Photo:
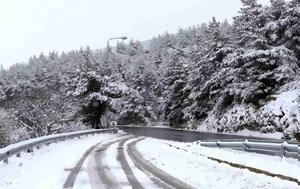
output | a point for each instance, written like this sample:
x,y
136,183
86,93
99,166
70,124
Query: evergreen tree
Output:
x,y
248,24
292,25
175,95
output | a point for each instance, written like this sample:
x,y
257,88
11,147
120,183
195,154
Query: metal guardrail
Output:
x,y
250,144
283,149
16,149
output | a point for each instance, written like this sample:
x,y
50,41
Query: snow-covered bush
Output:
x,y
3,137
10,131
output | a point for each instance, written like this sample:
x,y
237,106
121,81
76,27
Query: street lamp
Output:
x,y
103,118
108,48
113,38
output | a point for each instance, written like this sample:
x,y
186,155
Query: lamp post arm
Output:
x,y
113,38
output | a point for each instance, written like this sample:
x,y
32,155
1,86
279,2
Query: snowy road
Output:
x,y
124,161
117,172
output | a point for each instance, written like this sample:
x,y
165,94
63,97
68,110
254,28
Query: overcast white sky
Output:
x,y
29,27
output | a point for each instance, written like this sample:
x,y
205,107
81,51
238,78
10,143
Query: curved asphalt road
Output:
x,y
101,173
166,133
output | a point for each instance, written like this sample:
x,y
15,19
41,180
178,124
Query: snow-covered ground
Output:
x,y
201,172
117,172
274,164
47,167
50,166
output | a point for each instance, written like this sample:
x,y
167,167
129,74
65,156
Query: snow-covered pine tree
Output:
x,y
247,25
292,25
93,91
206,64
175,94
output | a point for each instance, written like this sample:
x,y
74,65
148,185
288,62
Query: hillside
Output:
x,y
217,77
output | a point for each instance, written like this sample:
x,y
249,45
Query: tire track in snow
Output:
x,y
135,184
107,179
69,183
158,176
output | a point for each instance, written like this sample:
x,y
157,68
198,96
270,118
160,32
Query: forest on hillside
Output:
x,y
217,77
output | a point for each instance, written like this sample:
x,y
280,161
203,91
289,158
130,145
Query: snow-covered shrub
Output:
x,y
285,111
5,127
73,126
18,134
10,131
235,119
296,134
3,137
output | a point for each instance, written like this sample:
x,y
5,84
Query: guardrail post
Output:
x,y
18,154
245,147
6,159
218,143
283,149
29,150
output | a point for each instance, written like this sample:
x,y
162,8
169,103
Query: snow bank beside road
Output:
x,y
274,164
204,173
